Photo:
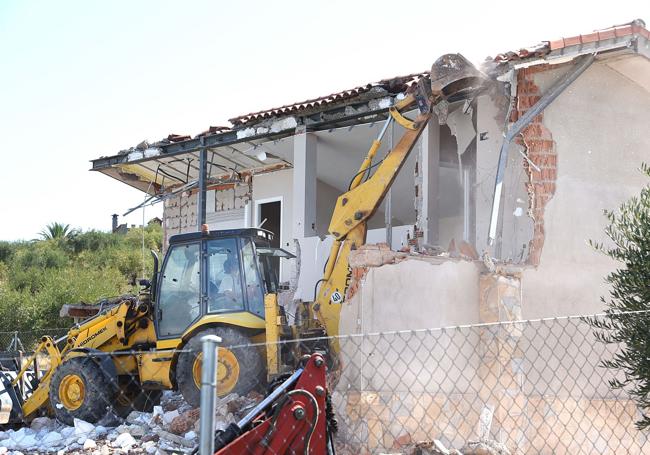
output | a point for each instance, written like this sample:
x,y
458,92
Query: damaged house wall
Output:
x,y
587,145
599,128
226,207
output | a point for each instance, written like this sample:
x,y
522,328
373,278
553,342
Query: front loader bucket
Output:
x,y
11,400
453,77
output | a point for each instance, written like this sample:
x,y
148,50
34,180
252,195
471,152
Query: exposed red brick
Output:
x,y
546,160
358,273
540,147
526,86
526,102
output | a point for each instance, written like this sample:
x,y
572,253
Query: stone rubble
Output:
x,y
436,447
172,427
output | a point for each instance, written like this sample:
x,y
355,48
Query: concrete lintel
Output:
x,y
304,184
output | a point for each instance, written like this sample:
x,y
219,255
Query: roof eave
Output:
x,y
636,43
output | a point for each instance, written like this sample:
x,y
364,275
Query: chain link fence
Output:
x,y
525,387
530,386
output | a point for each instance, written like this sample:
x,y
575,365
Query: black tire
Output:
x,y
251,365
98,397
132,397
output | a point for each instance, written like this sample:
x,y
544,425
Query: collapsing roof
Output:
x,y
172,163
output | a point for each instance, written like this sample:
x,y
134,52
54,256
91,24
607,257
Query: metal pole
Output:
x,y
389,204
208,393
203,170
547,98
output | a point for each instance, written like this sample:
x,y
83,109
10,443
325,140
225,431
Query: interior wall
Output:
x,y
275,185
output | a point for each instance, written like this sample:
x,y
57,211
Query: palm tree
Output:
x,y
57,231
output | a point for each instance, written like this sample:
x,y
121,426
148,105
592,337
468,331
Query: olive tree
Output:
x,y
626,323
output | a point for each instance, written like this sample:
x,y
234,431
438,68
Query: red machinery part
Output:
x,y
296,424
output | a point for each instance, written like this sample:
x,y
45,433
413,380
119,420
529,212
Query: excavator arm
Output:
x,y
353,208
452,77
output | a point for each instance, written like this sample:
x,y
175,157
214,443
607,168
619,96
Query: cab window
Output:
x,y
224,277
179,301
252,284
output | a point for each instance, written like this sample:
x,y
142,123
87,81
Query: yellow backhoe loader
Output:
x,y
223,283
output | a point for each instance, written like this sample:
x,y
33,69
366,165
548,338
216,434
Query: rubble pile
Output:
x,y
435,447
172,427
404,446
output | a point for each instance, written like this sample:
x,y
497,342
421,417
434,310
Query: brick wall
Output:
x,y
540,147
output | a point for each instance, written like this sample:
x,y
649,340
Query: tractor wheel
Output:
x,y
132,397
80,389
239,370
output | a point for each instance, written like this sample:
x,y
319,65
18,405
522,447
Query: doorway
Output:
x,y
269,217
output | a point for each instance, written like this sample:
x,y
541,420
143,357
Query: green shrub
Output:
x,y
37,278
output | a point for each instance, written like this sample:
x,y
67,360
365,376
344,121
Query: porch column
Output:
x,y
428,177
304,184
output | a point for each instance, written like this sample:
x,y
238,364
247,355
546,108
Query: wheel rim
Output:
x,y
227,371
72,392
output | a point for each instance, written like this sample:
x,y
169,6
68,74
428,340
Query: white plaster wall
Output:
x,y
414,294
600,124
273,185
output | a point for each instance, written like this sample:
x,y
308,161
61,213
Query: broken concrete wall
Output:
x,y
599,125
515,227
180,215
225,209
414,294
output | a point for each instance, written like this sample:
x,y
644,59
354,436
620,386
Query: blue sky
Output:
x,y
83,79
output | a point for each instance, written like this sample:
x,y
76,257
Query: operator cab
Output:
x,y
212,273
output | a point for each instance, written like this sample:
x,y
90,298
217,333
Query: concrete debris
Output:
x,y
171,428
375,255
436,447
124,441
246,132
284,124
485,447
184,422
168,417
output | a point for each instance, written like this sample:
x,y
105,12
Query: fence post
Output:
x,y
208,393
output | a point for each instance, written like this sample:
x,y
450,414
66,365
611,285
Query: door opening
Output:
x,y
269,215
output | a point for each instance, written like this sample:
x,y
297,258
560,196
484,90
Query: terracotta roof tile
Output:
x,y
392,85
617,31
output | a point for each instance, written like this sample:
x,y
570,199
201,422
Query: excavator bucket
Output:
x,y
453,77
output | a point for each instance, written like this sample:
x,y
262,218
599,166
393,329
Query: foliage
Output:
x,y
57,231
37,278
627,319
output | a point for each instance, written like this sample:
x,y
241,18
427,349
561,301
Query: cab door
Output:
x,y
179,293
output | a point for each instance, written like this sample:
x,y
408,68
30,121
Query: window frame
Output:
x,y
238,248
157,317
